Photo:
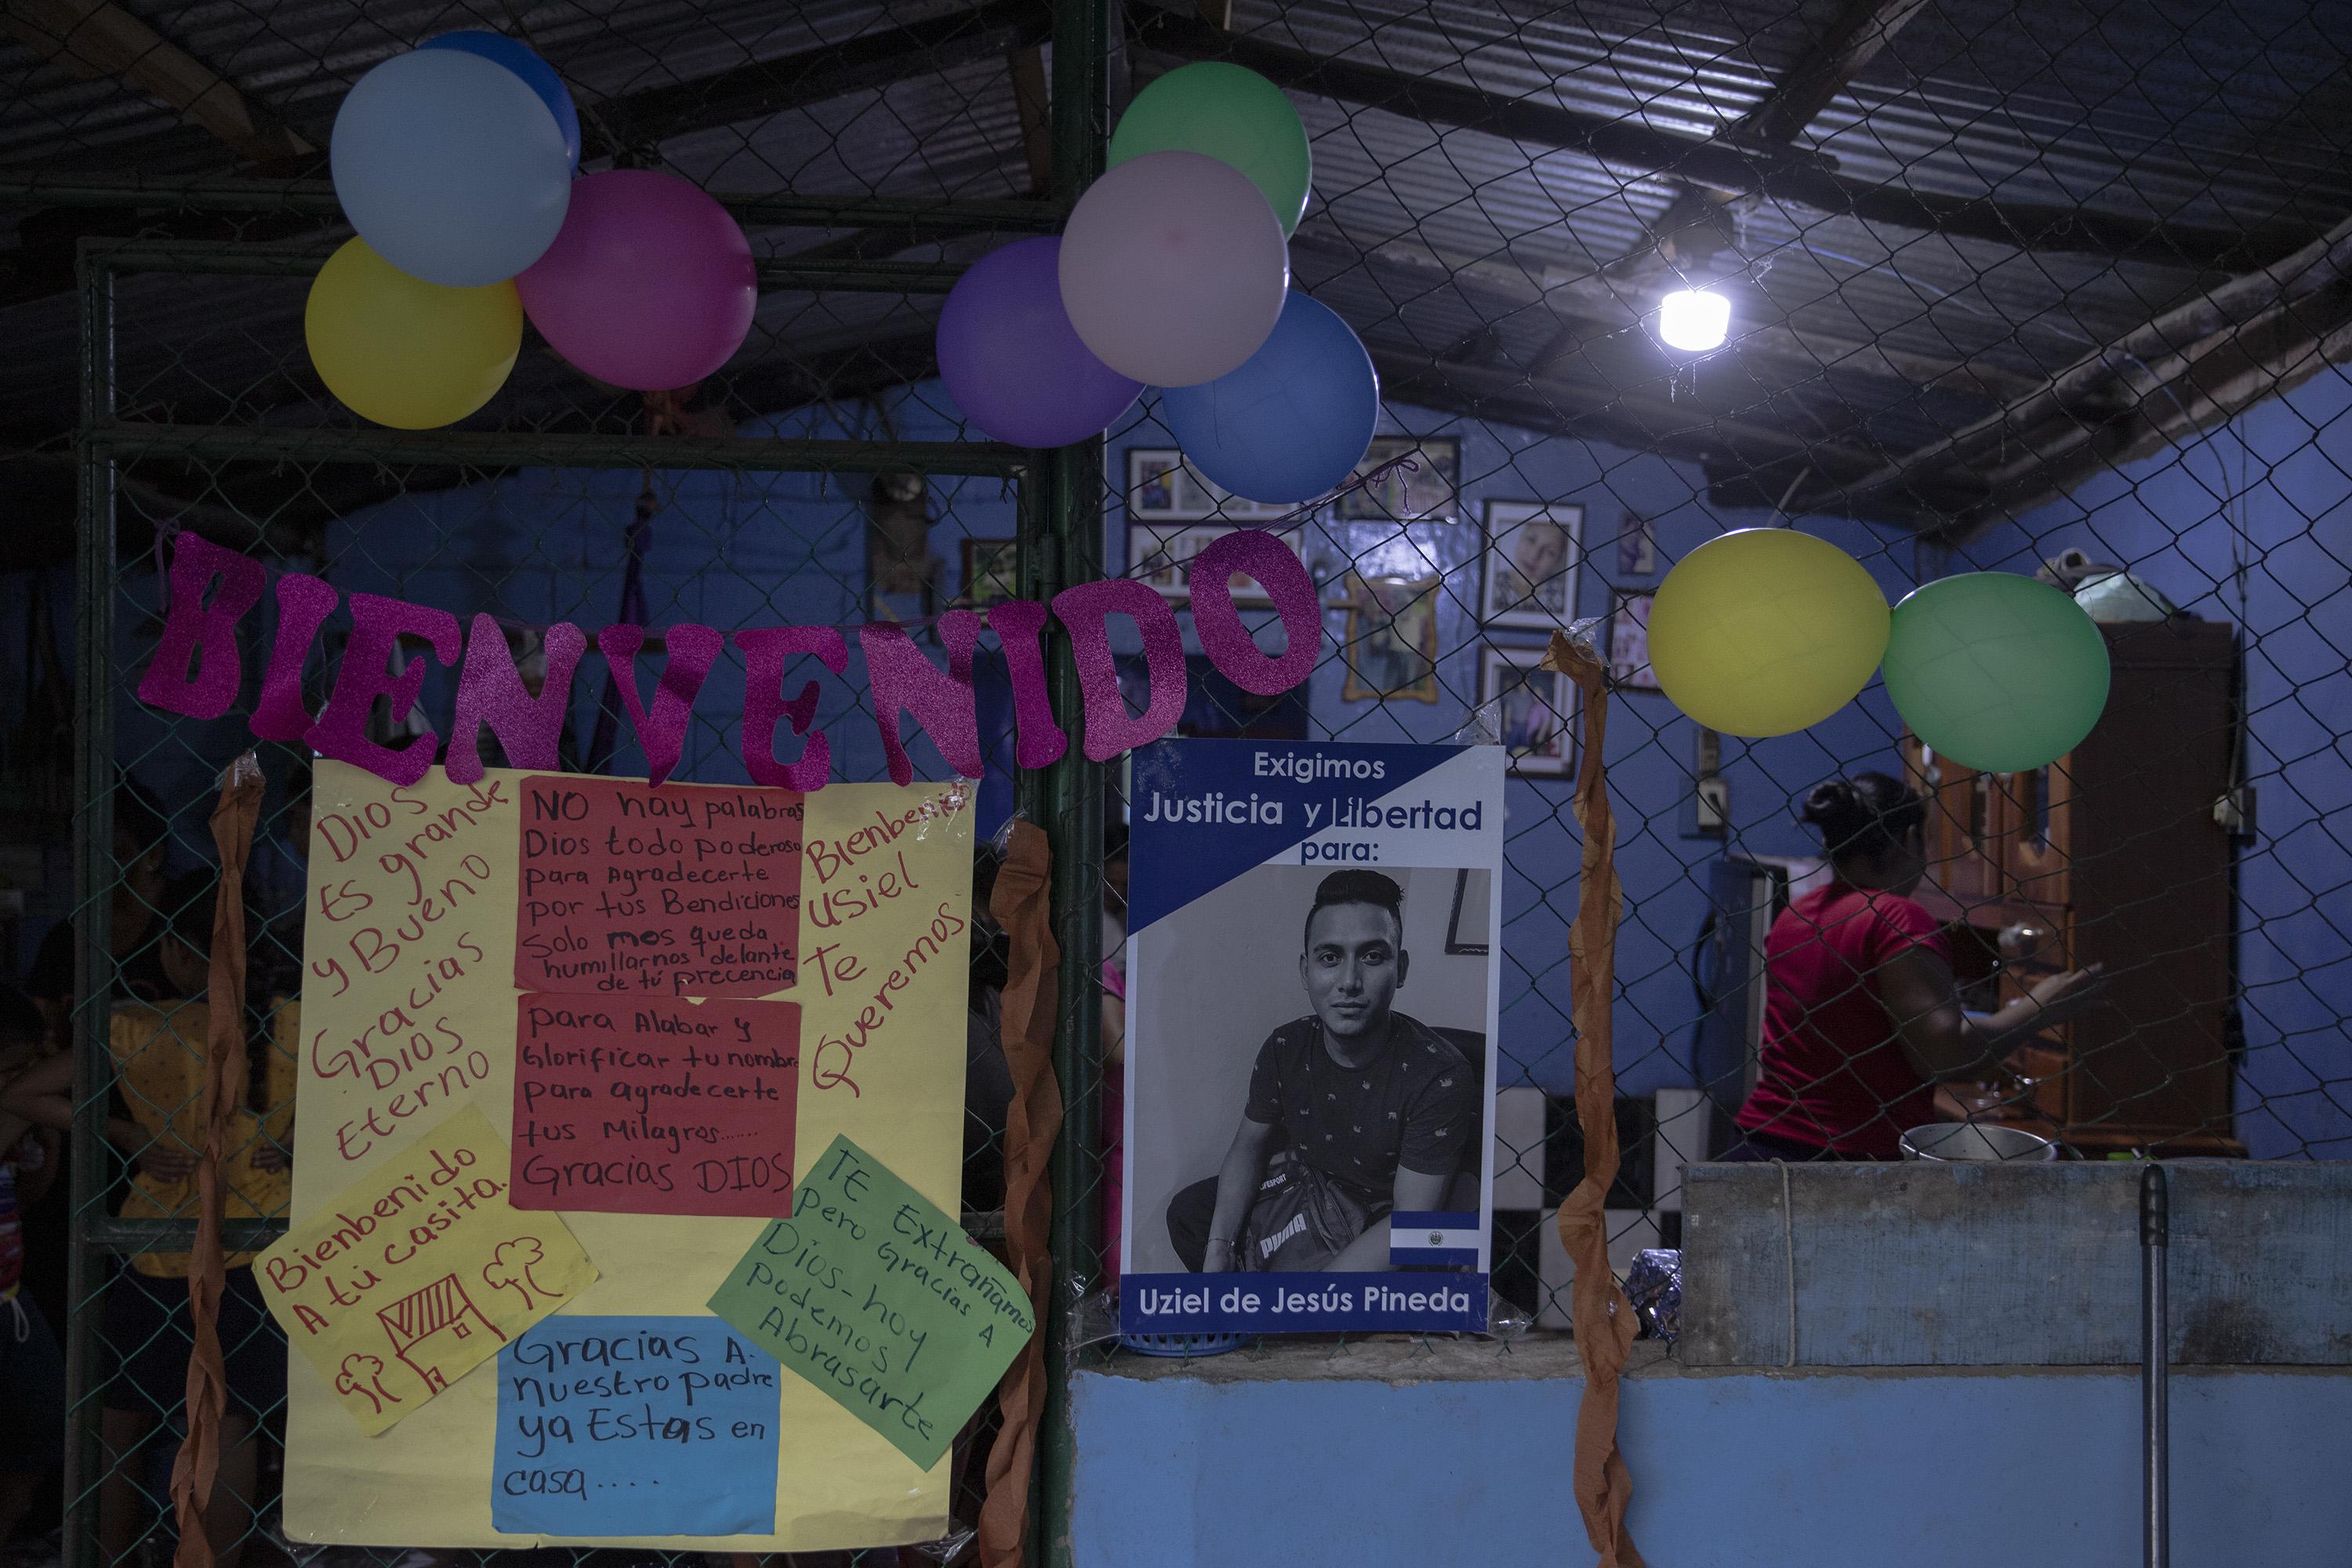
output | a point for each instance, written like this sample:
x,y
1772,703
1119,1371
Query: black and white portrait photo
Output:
x,y
1321,1063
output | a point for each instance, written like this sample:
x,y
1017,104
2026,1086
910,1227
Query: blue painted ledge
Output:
x,y
1396,1452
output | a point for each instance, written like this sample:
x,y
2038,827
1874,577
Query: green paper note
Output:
x,y
872,1294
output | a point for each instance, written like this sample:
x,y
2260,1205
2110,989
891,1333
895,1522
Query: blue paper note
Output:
x,y
636,1426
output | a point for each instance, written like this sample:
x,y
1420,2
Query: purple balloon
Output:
x,y
1012,362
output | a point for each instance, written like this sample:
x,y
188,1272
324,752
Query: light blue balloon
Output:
x,y
451,167
537,74
1293,421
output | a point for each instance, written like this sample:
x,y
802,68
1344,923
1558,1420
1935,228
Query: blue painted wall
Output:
x,y
733,551
2252,523
740,549
2029,1471
1650,746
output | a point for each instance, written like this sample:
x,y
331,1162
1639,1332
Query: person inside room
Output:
x,y
1356,1110
159,1051
142,845
35,1096
1862,1013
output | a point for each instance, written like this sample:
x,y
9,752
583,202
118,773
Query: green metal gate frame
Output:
x,y
1060,497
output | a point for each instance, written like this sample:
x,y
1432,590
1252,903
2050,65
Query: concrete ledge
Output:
x,y
1388,1457
1924,1265
1400,1361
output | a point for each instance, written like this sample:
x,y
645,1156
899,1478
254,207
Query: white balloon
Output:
x,y
1173,268
451,167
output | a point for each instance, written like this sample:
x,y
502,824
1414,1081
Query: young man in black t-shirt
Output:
x,y
1373,1110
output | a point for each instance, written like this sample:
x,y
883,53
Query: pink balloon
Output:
x,y
1173,268
650,285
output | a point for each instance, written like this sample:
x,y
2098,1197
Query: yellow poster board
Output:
x,y
415,1276
409,1016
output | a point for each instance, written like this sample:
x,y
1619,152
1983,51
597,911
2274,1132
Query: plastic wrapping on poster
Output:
x,y
1311,1013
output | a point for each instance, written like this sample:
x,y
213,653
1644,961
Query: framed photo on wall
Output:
x,y
1533,550
1390,648
1158,489
1426,492
1163,487
1628,642
1637,546
1162,558
1469,928
1539,710
991,572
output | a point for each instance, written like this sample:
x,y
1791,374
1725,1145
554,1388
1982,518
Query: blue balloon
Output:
x,y
1293,421
450,167
536,73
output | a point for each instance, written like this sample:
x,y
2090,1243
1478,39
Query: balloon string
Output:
x,y
1362,481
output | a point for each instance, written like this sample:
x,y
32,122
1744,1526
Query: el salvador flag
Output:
x,y
1443,1240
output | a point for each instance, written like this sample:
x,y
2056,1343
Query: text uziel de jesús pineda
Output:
x,y
1307,1302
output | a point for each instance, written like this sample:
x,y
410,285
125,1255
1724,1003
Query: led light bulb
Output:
x,y
1693,320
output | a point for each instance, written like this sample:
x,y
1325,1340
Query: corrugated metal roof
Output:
x,y
1434,241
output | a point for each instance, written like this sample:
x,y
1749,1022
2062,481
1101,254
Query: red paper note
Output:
x,y
685,890
653,1105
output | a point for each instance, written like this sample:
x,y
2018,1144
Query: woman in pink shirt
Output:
x,y
1862,1015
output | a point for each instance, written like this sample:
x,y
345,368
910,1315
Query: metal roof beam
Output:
x,y
866,63
2199,363
1595,299
1561,407
1032,102
95,40
1781,172
1824,70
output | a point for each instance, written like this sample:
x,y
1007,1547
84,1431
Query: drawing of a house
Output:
x,y
432,1330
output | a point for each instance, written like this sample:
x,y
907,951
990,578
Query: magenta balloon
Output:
x,y
1012,362
650,284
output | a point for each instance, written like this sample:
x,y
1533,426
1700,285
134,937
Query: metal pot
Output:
x,y
1943,1140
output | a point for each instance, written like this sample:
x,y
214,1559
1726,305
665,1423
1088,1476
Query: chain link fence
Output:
x,y
2060,291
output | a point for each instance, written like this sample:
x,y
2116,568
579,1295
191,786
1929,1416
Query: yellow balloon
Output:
x,y
405,353
1766,630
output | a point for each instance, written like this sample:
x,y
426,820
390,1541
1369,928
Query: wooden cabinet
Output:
x,y
2112,855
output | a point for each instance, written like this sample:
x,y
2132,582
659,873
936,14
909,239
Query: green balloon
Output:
x,y
1999,672
1232,115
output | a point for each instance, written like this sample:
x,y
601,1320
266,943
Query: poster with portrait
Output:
x,y
1535,710
1390,646
1533,550
1310,1043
